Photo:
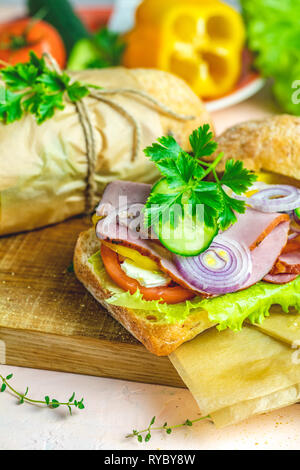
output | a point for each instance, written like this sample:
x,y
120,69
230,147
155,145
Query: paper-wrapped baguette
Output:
x,y
43,169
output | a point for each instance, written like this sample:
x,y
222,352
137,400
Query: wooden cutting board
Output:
x,y
49,321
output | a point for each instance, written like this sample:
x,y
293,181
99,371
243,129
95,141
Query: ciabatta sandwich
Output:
x,y
211,244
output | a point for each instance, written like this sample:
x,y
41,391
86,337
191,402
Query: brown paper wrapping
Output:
x,y
43,168
236,375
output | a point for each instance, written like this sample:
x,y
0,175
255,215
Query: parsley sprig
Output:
x,y
49,402
168,429
34,88
186,174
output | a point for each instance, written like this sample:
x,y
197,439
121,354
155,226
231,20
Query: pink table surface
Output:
x,y
114,407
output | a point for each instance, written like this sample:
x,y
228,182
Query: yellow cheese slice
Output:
x,y
282,326
243,410
235,375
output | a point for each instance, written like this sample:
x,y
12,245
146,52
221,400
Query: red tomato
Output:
x,y
18,38
170,295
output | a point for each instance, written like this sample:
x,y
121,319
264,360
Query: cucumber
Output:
x,y
83,53
190,237
60,14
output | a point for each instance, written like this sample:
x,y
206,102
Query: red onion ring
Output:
x,y
231,273
289,201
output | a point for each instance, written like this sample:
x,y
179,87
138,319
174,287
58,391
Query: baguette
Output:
x,y
159,338
43,169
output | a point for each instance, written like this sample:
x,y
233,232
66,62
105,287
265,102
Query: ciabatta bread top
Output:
x,y
271,144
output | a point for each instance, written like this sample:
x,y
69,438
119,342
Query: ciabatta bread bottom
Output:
x,y
161,338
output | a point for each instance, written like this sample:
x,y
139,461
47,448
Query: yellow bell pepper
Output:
x,y
199,40
142,261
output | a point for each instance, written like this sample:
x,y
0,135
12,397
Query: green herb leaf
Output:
x,y
54,404
54,82
77,91
227,217
167,148
202,142
80,405
20,76
36,89
188,423
10,376
185,176
236,177
47,105
158,205
11,108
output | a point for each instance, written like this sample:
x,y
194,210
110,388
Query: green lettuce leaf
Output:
x,y
227,311
274,36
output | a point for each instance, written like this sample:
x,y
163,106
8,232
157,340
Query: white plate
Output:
x,y
249,84
236,96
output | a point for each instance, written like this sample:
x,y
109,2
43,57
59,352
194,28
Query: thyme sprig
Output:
x,y
168,429
50,403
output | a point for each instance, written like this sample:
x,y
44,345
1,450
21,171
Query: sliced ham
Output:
x,y
149,248
265,234
280,278
287,263
291,246
253,226
115,194
265,255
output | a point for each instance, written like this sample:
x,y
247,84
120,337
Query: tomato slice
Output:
x,y
170,295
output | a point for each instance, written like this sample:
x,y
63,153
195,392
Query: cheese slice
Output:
x,y
233,375
282,326
245,409
145,277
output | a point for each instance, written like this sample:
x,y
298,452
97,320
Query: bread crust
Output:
x,y
271,145
160,339
177,95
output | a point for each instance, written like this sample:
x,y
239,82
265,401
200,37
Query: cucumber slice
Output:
x,y
190,236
